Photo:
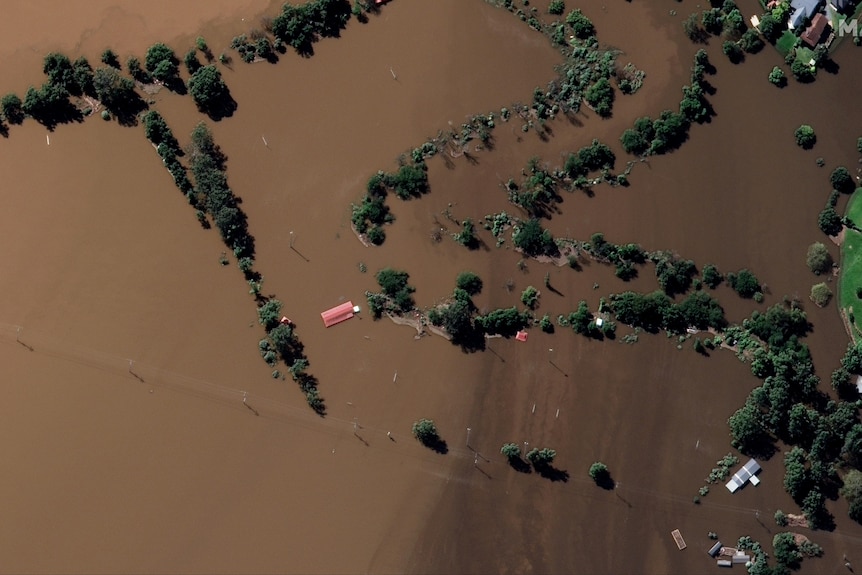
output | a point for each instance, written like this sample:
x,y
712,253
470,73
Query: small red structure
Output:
x,y
285,320
521,335
379,2
338,314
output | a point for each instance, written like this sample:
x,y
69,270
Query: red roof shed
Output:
x,y
337,314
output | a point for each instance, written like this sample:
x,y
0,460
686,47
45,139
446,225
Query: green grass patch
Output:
x,y
804,54
850,279
786,42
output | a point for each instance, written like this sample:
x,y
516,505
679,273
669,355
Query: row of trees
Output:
x,y
667,132
656,311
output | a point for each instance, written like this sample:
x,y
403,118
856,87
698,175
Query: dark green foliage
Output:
x,y
841,180
49,105
746,428
556,7
851,451
711,276
83,75
818,259
802,71
191,61
394,285
786,551
671,130
300,26
268,314
600,96
711,20
158,132
648,311
426,432
12,109
59,70
744,283
770,28
751,42
210,93
674,275
777,77
599,473
409,181
467,236
158,54
117,94
530,237
541,457
469,282
634,142
502,321
733,52
702,311
829,221
581,318
109,58
582,27
596,156
136,72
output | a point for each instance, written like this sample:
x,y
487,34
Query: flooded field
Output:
x,y
133,449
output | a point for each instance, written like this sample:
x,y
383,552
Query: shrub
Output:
x,y
805,137
821,294
777,77
780,518
109,58
818,259
268,314
530,297
207,88
802,71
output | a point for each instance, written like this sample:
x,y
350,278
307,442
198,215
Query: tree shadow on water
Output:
x,y
552,473
436,444
519,465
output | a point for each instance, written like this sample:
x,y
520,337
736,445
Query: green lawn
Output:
x,y
851,262
785,42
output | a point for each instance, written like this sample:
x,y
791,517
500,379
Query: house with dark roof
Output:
x,y
802,9
814,32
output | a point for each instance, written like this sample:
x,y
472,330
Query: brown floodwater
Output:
x,y
158,466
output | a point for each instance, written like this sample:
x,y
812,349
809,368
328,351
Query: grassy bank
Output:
x,y
851,264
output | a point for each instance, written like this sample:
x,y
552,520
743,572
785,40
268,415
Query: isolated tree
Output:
x,y
530,297
541,457
829,221
818,259
777,77
711,276
821,295
556,7
805,137
426,432
599,472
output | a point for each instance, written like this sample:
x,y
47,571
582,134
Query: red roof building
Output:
x,y
814,32
338,314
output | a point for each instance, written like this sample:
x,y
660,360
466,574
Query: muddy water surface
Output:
x,y
163,467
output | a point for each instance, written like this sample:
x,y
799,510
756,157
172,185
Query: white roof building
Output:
x,y
743,475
